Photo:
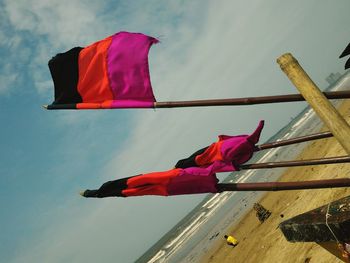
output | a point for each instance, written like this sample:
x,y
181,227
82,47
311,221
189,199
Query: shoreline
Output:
x,y
265,242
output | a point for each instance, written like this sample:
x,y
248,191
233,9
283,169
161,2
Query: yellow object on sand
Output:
x,y
231,240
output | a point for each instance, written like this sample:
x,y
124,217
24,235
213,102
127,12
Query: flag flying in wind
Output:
x,y
226,154
111,73
173,182
190,176
345,53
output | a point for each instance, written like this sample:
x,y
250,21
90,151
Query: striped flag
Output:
x,y
111,73
190,176
176,181
226,154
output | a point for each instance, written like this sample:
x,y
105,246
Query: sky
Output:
x,y
207,50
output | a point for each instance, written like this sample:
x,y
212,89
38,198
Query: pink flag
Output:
x,y
111,73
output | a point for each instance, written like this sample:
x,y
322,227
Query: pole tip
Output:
x,y
285,60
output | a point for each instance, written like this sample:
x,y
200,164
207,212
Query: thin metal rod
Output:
x,y
306,138
247,101
330,160
280,186
222,102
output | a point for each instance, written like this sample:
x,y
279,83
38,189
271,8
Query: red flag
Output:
x,y
226,154
111,73
173,182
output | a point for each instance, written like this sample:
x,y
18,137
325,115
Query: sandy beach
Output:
x,y
265,242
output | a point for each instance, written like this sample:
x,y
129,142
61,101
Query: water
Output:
x,y
195,234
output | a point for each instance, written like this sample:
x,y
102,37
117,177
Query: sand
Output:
x,y
264,242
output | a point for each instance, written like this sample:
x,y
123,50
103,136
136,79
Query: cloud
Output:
x,y
7,78
36,30
62,22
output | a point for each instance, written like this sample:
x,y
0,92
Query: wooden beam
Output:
x,y
333,247
311,226
328,226
324,109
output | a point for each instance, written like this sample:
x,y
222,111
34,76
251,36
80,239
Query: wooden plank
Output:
x,y
311,226
333,248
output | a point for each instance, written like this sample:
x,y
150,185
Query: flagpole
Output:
x,y
280,186
330,160
220,102
248,100
305,138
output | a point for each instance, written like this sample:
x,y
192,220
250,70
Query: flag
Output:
x,y
194,175
111,73
194,180
345,53
226,154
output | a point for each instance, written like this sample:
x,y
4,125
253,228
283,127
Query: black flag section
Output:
x,y
345,53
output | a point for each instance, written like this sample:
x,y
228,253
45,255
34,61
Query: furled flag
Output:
x,y
345,53
176,181
111,73
190,176
226,154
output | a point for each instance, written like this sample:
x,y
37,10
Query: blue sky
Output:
x,y
208,49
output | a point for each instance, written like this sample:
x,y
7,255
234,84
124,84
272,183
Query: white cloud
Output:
x,y
7,81
8,77
63,22
50,27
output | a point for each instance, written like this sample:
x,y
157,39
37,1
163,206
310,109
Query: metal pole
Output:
x,y
281,186
330,160
306,138
247,101
220,102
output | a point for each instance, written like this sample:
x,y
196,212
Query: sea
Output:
x,y
196,233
